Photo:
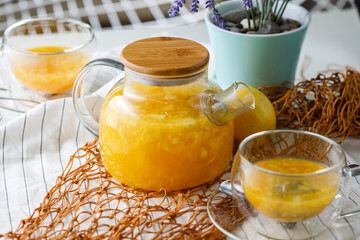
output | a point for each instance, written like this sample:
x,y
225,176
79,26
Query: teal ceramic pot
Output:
x,y
256,59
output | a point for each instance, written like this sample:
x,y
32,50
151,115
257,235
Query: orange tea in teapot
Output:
x,y
165,126
151,147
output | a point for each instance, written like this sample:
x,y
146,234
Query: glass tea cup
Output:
x,y
46,54
290,184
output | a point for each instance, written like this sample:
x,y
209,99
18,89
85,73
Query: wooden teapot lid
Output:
x,y
165,56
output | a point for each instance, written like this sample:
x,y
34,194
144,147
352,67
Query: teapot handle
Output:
x,y
79,97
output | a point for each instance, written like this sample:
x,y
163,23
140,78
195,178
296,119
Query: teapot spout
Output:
x,y
222,107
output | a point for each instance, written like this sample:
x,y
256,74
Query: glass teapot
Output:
x,y
164,125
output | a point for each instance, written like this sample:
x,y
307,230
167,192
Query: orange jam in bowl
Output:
x,y
48,69
292,197
158,137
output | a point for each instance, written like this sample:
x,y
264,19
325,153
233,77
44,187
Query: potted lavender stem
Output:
x,y
255,42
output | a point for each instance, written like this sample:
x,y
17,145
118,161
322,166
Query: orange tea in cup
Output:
x,y
294,198
50,69
291,183
46,54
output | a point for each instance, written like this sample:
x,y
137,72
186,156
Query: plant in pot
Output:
x,y
255,42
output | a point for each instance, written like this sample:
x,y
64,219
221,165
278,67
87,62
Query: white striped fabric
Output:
x,y
35,148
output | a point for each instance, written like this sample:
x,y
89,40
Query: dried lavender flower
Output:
x,y
219,21
194,6
247,4
174,9
209,4
217,18
267,9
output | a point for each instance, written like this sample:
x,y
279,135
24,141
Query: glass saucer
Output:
x,y
235,225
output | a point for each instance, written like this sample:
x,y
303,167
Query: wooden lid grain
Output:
x,y
165,56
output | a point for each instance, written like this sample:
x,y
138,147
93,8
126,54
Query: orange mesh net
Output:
x,y
329,105
86,203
